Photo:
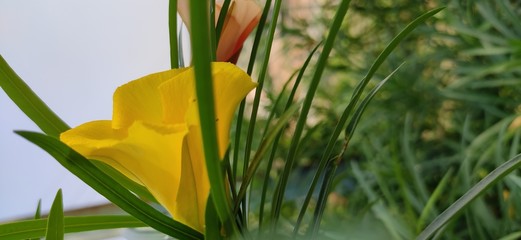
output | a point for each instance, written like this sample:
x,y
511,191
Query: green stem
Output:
x,y
201,49
172,26
258,91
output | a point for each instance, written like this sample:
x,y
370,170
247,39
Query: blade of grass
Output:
x,y
274,108
330,174
488,14
410,160
29,102
264,146
258,36
506,7
256,98
201,49
222,20
275,144
109,188
172,27
325,189
55,221
291,96
393,225
211,27
280,190
326,156
213,229
37,214
36,228
240,115
430,208
493,177
514,147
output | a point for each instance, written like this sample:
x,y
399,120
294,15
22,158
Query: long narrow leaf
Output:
x,y
37,214
478,189
321,64
222,20
55,221
289,103
37,228
258,91
29,102
201,49
264,146
429,208
327,153
351,126
240,114
213,228
172,27
109,188
134,187
330,174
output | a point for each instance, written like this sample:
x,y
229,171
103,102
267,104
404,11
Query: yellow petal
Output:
x,y
231,84
194,188
176,94
139,100
150,155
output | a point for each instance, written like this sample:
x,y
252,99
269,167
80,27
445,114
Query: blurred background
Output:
x,y
446,119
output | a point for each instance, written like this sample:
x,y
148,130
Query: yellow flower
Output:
x,y
154,137
242,17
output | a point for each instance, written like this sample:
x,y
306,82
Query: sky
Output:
x,y
73,54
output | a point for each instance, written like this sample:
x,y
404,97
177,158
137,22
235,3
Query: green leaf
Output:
x,y
55,221
478,189
109,188
213,225
326,155
172,27
274,148
202,56
251,63
222,19
330,174
29,102
280,190
429,208
37,228
264,146
37,214
256,98
396,227
134,187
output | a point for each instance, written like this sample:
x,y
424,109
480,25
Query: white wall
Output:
x,y
73,54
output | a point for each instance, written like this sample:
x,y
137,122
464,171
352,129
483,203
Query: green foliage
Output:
x,y
202,57
447,119
54,229
37,228
428,154
108,187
